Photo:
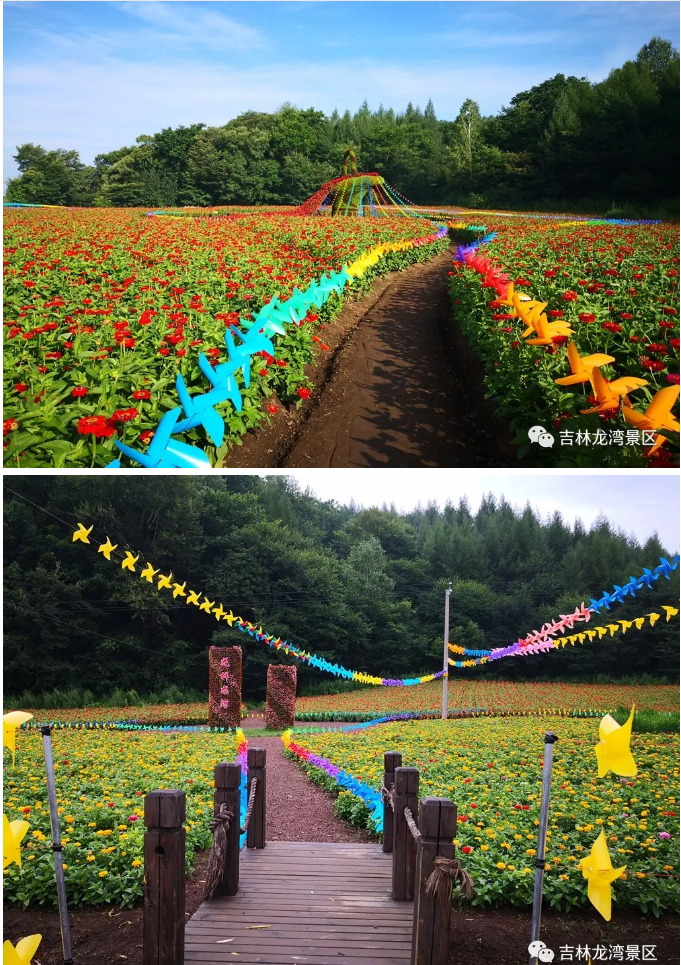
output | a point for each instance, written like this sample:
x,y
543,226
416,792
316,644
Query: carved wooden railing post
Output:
x,y
227,791
430,931
164,888
404,846
255,834
391,760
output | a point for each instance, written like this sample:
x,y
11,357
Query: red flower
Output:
x,y
556,313
560,339
304,393
20,387
9,425
271,407
674,342
124,415
281,363
466,849
515,344
146,436
181,352
570,296
140,394
164,351
213,352
657,348
262,372
625,315
668,311
550,274
95,425
651,364
79,392
53,355
673,379
611,327
634,338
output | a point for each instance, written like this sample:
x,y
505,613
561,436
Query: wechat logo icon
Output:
x,y
544,438
538,950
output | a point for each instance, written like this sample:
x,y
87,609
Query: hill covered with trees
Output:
x,y
361,587
566,142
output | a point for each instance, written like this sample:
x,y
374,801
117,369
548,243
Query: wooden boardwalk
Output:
x,y
322,903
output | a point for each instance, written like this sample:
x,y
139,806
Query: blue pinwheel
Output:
x,y
665,568
167,453
200,410
646,579
240,355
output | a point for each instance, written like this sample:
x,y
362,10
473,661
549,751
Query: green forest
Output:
x,y
608,146
363,587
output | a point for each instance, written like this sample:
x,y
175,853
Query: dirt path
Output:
x,y
296,809
401,388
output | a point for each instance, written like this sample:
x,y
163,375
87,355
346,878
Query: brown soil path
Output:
x,y
401,388
296,809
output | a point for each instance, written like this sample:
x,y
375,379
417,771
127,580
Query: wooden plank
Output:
x,y
164,870
227,791
255,834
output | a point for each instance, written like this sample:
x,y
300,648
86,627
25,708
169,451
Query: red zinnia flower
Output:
x,y
570,296
304,393
95,425
124,415
560,339
20,387
9,425
272,407
673,379
668,311
79,392
146,436
141,394
611,327
657,348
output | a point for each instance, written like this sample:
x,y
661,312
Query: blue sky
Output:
x,y
91,76
638,503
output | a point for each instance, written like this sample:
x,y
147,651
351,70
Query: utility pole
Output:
x,y
445,664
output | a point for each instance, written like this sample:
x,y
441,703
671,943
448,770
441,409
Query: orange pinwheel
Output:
x,y
658,415
608,394
582,366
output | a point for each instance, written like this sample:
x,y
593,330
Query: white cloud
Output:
x,y
191,24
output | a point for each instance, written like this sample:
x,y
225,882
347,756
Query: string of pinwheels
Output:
x,y
610,396
166,452
179,590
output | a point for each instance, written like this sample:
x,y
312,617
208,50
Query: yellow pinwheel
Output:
x,y
23,953
178,590
148,573
658,415
194,597
129,561
12,833
219,612
613,752
653,617
581,366
107,548
230,618
671,611
598,870
165,582
10,722
207,605
82,534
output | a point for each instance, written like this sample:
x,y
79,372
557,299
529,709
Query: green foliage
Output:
x,y
565,143
331,579
649,721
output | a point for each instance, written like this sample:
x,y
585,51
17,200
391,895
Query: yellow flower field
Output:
x,y
491,769
102,777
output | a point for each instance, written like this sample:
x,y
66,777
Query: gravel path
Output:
x,y
297,810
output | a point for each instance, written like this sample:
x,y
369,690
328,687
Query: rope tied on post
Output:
x,y
218,850
251,802
446,871
388,795
411,824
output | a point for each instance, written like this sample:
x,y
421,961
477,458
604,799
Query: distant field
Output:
x,y
498,696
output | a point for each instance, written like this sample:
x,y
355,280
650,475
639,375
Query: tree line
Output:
x,y
362,587
565,142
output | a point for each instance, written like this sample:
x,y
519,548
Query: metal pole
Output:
x,y
549,740
56,845
445,664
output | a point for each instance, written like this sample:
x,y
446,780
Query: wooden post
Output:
x,y
227,791
255,835
164,849
430,932
391,760
404,853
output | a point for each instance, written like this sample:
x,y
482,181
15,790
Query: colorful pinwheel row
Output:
x,y
164,451
149,573
609,396
540,640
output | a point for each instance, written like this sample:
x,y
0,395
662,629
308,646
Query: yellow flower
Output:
x,y
530,851
136,863
500,865
103,874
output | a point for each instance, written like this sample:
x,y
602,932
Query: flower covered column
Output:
x,y
280,710
224,686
